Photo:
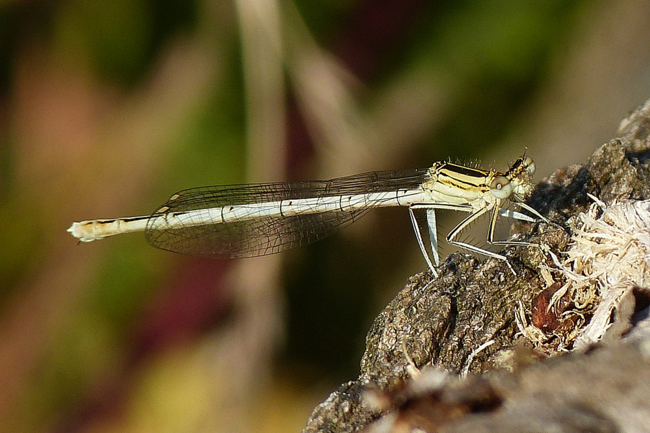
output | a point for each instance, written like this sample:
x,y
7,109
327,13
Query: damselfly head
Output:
x,y
520,175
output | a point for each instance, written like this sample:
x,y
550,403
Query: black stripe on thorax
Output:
x,y
462,177
465,171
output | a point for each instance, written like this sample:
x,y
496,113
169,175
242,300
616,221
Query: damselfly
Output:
x,y
258,219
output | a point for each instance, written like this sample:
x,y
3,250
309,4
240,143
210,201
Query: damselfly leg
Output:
x,y
455,232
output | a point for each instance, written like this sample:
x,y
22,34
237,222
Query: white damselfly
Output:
x,y
251,220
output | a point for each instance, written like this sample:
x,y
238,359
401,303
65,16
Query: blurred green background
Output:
x,y
107,108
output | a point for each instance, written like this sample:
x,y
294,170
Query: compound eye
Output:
x,y
501,187
530,166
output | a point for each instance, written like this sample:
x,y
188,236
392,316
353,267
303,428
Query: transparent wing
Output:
x,y
268,235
